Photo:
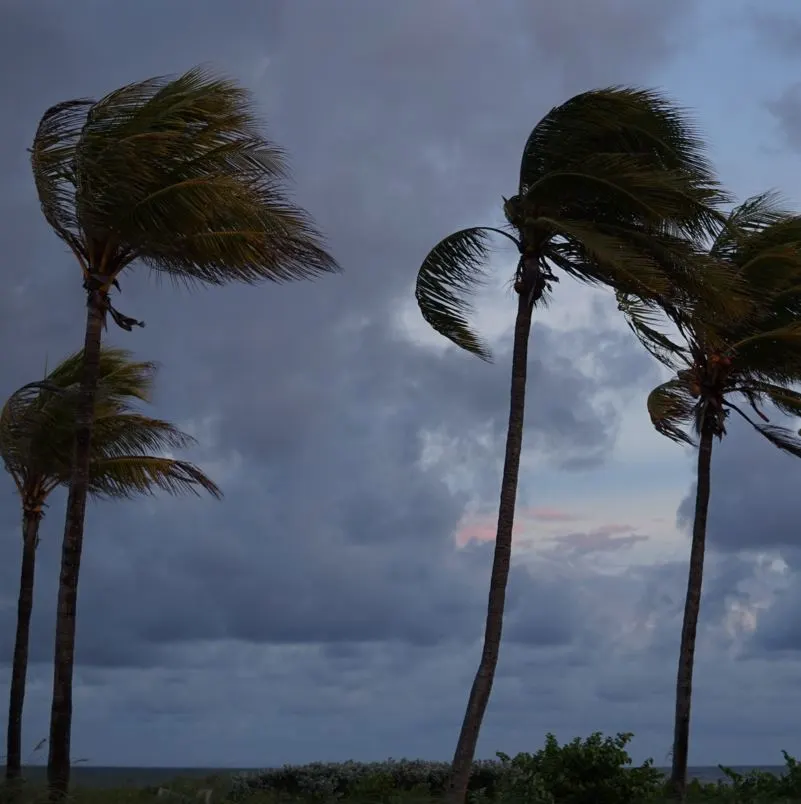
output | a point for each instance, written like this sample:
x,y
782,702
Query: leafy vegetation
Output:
x,y
594,770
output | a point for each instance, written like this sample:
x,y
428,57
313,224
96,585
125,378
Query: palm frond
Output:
x,y
747,219
30,409
37,431
175,172
781,437
120,434
451,272
636,123
672,410
785,399
53,164
643,319
591,254
122,379
130,476
770,348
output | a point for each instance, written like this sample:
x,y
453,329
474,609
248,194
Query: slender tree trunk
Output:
x,y
482,685
58,761
692,607
30,533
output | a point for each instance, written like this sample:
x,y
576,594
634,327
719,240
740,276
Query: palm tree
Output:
x,y
753,358
172,174
36,431
613,186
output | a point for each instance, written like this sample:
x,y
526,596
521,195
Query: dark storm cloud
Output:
x,y
603,539
779,628
754,507
403,121
340,535
754,502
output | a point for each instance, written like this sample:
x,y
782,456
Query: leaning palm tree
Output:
x,y
613,187
721,365
36,432
175,175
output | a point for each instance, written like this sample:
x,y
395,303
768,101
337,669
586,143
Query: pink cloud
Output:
x,y
482,528
608,536
549,515
475,532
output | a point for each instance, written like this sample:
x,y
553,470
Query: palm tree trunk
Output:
x,y
58,761
692,607
482,685
30,533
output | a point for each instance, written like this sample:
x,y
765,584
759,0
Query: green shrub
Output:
x,y
760,786
592,771
321,781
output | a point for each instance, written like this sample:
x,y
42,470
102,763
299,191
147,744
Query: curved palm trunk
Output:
x,y
30,534
58,760
692,607
482,685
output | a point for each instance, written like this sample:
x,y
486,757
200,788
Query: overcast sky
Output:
x,y
331,606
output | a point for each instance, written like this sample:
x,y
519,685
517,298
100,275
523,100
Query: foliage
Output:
x,y
595,770
37,431
172,172
760,786
591,771
334,780
753,357
614,190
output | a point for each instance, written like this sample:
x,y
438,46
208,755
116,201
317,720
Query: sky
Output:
x,y
331,606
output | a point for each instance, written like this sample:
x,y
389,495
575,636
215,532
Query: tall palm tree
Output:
x,y
719,363
611,183
173,174
36,433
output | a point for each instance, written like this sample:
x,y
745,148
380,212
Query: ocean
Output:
x,y
89,776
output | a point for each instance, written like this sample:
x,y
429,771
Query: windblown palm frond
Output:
x,y
670,407
755,356
614,190
784,399
173,172
133,475
752,217
636,147
37,432
451,272
30,408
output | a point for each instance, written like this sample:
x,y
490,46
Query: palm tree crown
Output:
x,y
176,174
37,431
612,183
755,356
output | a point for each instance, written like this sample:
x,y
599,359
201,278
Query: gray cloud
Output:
x,y
754,502
777,28
786,108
